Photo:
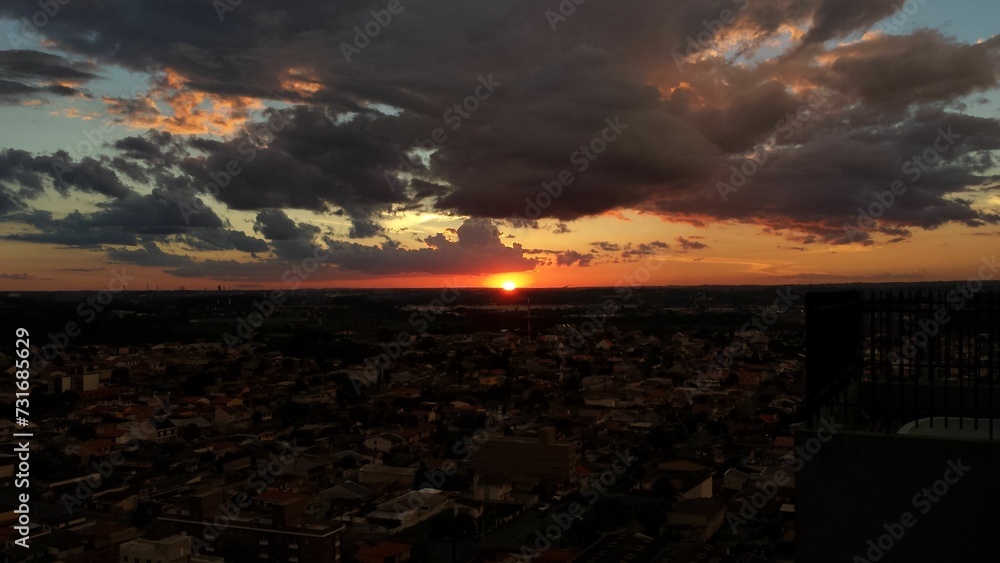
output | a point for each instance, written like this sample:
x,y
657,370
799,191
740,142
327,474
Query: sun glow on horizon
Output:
x,y
509,285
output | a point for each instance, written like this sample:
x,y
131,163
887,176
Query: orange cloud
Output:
x,y
74,113
190,112
300,81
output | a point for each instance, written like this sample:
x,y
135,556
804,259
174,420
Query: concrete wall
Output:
x,y
856,483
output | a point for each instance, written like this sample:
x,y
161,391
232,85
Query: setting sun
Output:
x,y
509,285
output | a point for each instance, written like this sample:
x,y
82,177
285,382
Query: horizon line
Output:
x,y
500,289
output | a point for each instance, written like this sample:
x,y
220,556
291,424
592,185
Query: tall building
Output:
x,y
898,456
276,531
526,460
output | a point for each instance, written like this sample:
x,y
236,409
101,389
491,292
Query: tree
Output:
x,y
257,417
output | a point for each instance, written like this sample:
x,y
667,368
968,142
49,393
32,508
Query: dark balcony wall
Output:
x,y
833,344
858,482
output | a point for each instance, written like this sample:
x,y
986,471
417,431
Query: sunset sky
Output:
x,y
196,143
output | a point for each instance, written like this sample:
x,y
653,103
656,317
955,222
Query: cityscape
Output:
x,y
647,424
558,281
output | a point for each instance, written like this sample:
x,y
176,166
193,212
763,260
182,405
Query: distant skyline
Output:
x,y
402,143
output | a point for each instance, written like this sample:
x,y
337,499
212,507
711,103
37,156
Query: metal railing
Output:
x,y
885,360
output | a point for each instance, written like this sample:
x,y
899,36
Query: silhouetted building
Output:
x,y
897,457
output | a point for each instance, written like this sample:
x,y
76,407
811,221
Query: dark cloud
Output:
x,y
30,75
477,250
24,176
149,255
896,71
571,257
138,220
688,244
750,115
35,64
274,224
288,238
348,141
307,160
817,188
223,239
632,252
154,146
422,189
835,19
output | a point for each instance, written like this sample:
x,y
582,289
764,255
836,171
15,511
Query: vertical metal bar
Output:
x,y
975,361
915,380
947,369
858,349
905,296
875,339
935,299
962,360
890,308
993,369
